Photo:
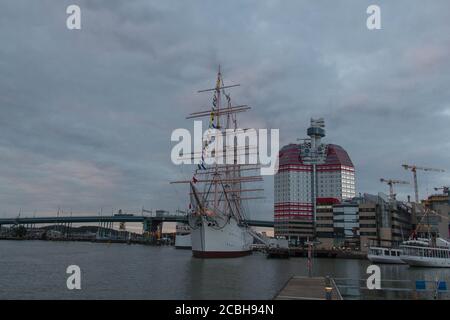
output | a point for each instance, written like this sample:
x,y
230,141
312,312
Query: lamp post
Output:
x,y
328,288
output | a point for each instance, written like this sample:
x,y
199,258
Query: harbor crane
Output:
x,y
390,183
445,189
414,169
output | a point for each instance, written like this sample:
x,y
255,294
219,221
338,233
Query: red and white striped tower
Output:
x,y
310,173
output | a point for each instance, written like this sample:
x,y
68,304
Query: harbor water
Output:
x,y
37,270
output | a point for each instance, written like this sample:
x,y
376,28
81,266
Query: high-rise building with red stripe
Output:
x,y
310,174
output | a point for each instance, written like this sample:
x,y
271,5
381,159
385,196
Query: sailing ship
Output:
x,y
216,217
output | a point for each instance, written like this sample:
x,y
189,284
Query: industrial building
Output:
x,y
310,174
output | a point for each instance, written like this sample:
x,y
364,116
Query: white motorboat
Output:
x,y
385,255
423,252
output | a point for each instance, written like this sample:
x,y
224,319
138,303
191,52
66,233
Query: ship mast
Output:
x,y
216,174
223,180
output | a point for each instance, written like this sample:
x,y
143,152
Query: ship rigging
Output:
x,y
217,216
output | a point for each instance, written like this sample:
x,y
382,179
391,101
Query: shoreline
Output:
x,y
84,240
292,252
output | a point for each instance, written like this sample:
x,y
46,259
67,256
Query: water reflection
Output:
x,y
36,270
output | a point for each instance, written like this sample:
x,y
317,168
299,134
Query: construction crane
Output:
x,y
414,169
445,189
390,183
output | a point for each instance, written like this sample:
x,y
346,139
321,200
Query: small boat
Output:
x,y
385,255
424,252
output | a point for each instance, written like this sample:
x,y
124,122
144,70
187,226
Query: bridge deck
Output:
x,y
95,219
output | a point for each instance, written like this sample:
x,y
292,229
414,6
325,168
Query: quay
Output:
x,y
285,253
328,253
309,288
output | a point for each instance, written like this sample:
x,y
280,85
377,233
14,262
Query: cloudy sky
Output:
x,y
86,116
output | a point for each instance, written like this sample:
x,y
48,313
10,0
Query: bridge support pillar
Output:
x,y
152,228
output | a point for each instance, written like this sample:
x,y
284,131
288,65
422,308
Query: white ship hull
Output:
x,y
416,261
183,241
423,252
385,259
385,255
227,241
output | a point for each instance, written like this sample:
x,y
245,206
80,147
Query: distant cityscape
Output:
x,y
315,198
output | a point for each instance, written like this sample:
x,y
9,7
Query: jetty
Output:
x,y
309,288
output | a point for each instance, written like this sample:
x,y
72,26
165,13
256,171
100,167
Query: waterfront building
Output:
x,y
324,225
310,174
383,222
439,223
363,221
368,226
338,225
346,225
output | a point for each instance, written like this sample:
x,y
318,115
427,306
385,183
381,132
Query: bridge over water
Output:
x,y
146,220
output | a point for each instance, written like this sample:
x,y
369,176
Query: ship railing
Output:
x,y
352,288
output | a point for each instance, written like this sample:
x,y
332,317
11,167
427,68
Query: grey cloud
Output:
x,y
86,116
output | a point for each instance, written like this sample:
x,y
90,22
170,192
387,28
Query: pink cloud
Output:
x,y
83,173
427,57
